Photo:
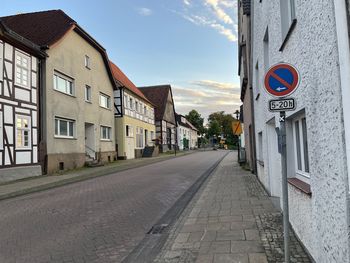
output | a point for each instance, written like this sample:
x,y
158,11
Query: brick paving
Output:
x,y
98,220
228,221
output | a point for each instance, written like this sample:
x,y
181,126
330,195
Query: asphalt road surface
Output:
x,y
99,220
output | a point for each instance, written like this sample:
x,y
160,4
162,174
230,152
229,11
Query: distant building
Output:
x,y
162,97
314,37
245,68
77,97
20,90
134,121
187,134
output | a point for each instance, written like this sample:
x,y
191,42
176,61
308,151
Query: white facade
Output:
x,y
305,36
187,136
19,113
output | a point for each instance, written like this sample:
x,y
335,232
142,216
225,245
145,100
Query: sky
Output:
x,y
190,44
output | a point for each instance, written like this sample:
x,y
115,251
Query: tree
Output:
x,y
197,121
214,128
225,125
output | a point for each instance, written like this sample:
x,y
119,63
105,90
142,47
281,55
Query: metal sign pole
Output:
x,y
284,185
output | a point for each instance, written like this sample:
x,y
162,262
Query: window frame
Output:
x,y
102,95
28,69
56,75
300,146
87,87
139,138
22,129
288,20
59,135
87,62
129,131
109,133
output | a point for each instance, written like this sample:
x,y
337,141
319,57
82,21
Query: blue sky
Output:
x,y
190,44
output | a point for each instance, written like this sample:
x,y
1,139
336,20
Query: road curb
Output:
x,y
84,177
152,244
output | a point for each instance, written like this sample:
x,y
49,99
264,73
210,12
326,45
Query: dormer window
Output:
x,y
87,62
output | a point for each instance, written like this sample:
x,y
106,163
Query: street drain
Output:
x,y
157,229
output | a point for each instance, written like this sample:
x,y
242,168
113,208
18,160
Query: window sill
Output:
x,y
63,137
261,163
105,108
302,186
87,101
70,95
105,140
291,28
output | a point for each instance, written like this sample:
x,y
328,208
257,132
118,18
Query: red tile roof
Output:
x,y
43,28
126,82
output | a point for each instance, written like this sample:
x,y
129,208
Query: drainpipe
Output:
x,y
341,9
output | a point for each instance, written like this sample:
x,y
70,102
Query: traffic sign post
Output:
x,y
282,80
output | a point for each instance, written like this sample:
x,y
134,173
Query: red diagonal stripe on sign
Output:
x,y
285,83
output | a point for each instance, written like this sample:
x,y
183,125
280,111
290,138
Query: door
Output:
x,y
90,147
146,138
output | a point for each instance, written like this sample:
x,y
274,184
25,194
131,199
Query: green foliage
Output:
x,y
197,121
214,128
224,121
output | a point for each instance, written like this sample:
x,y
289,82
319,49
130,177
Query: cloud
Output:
x,y
219,12
207,96
144,11
214,14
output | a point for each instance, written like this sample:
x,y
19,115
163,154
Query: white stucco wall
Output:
x,y
321,220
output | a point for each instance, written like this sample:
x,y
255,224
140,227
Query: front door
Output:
x,y
146,138
90,147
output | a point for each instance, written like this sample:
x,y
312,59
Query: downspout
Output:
x,y
251,52
42,116
341,9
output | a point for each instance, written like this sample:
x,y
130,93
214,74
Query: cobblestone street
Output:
x,y
231,219
98,220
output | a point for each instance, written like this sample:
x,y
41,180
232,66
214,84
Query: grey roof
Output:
x,y
246,7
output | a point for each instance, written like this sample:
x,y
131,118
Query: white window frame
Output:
x,y
139,138
109,133
108,101
67,80
126,102
302,173
261,147
22,130
20,69
88,98
87,62
129,131
131,103
1,132
287,16
58,134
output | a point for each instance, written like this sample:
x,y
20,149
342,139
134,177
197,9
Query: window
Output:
x,y
22,131
145,110
64,128
1,134
105,133
136,106
152,135
257,80
301,146
131,103
63,84
126,101
266,50
260,144
105,101
139,137
87,62
22,69
129,131
87,93
287,16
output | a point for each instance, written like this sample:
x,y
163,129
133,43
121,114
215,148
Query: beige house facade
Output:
x,y
77,98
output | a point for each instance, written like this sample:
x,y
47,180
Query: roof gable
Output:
x,y
158,95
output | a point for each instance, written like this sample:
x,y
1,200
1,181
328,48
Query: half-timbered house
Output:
x,y
134,119
161,96
19,106
77,113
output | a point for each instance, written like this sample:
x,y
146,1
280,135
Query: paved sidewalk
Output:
x,y
231,219
34,184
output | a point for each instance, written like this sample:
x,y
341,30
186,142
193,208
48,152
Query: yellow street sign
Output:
x,y
236,127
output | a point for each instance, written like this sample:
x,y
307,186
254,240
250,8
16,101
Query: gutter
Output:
x,y
342,24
